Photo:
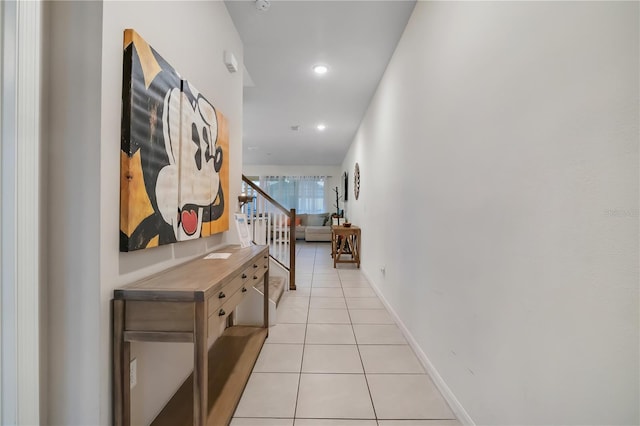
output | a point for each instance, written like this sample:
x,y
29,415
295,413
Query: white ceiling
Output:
x,y
354,38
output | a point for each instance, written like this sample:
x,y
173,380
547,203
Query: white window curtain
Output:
x,y
306,194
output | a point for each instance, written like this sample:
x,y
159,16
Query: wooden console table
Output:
x,y
191,303
345,240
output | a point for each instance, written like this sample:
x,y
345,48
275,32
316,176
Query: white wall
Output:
x,y
73,214
333,173
85,260
499,163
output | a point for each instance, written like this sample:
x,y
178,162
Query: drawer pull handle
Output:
x,y
265,266
244,276
255,277
244,290
222,295
255,265
221,312
265,256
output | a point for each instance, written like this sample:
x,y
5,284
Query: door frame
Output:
x,y
20,211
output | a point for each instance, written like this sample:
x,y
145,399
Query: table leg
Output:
x,y
356,249
333,248
126,383
200,367
121,353
265,305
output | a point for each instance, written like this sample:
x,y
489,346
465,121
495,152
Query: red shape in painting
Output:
x,y
189,221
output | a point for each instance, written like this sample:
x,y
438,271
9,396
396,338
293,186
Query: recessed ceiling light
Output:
x,y
320,69
321,126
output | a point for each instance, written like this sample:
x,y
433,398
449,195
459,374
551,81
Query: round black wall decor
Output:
x,y
356,181
345,180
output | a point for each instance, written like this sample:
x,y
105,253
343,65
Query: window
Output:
x,y
306,194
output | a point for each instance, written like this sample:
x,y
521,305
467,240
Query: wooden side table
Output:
x,y
192,302
345,240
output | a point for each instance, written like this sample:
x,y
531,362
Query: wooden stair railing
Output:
x,y
272,224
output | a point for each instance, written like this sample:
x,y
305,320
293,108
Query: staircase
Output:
x,y
272,224
249,312
269,224
276,289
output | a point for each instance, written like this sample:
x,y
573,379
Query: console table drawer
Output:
x,y
218,299
250,276
255,271
218,317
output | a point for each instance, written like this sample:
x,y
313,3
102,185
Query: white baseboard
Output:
x,y
446,392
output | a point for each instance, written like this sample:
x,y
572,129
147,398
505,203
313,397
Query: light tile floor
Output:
x,y
336,358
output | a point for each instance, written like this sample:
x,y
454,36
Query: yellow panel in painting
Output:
x,y
222,223
154,242
135,204
148,62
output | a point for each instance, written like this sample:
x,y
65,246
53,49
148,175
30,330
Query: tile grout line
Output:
x,y
364,372
304,343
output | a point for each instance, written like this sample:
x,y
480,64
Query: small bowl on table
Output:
x,y
347,224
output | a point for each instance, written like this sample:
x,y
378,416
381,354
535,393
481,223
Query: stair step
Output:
x,y
276,288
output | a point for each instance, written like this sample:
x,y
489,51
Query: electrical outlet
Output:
x,y
133,373
383,270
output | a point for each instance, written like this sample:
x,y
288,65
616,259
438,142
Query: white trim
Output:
x,y
2,73
20,220
9,384
437,379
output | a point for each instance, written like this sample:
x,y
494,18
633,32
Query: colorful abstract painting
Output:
x,y
174,154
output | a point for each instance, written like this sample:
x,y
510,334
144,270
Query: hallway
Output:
x,y
336,357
